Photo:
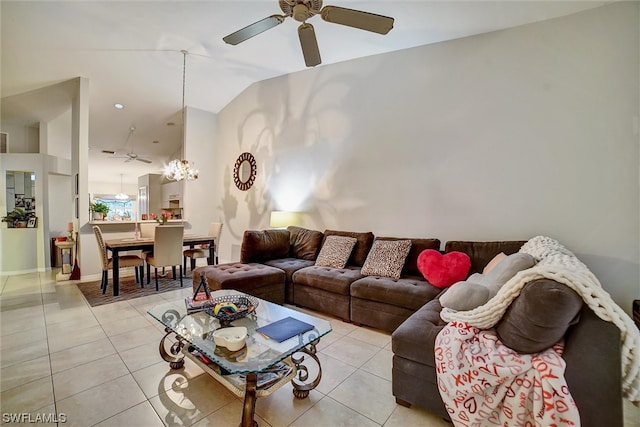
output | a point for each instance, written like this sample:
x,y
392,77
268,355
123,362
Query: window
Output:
x,y
119,210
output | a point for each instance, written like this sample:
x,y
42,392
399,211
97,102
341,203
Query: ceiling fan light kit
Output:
x,y
132,155
301,10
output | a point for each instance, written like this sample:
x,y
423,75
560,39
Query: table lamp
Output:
x,y
282,219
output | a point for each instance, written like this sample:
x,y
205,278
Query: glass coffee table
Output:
x,y
244,370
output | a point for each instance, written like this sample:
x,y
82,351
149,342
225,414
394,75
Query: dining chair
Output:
x,y
215,228
124,261
167,250
147,229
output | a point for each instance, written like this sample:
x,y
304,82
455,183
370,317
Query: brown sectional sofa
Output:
x,y
544,310
410,308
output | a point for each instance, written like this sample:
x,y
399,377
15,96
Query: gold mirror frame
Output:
x,y
245,160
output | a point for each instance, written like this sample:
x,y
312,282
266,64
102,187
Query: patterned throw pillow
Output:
x,y
335,251
386,258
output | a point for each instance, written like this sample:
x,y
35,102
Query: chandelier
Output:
x,y
121,195
177,170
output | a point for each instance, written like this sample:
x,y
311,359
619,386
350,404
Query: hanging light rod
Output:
x,y
177,170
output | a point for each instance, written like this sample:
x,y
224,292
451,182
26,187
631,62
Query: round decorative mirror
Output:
x,y
244,171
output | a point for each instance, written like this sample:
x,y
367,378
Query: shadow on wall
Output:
x,y
302,138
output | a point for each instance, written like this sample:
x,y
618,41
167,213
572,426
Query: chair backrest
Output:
x,y
215,228
101,247
147,229
167,245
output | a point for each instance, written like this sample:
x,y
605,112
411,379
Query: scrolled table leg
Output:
x,y
175,349
301,387
249,407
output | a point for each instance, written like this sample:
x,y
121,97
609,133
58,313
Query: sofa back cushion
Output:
x,y
305,244
417,246
539,317
364,240
481,253
264,245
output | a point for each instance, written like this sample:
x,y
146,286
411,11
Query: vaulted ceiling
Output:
x,y
131,54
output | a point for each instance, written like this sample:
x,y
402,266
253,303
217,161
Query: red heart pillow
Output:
x,y
443,271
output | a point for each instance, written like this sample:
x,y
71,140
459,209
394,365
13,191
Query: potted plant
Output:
x,y
99,210
17,218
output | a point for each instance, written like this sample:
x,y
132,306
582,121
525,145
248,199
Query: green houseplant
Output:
x,y
17,218
100,210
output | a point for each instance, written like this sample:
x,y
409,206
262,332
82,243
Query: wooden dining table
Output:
x,y
146,243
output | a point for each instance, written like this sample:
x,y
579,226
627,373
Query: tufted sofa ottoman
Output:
x,y
254,279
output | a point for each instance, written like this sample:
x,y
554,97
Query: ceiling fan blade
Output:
x,y
357,19
309,45
254,29
144,160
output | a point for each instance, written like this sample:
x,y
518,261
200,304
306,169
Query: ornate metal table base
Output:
x,y
249,407
301,387
175,361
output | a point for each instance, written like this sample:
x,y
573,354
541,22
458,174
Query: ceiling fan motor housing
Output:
x,y
300,10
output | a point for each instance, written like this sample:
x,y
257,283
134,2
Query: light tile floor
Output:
x,y
100,366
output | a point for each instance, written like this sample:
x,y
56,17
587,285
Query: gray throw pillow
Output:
x,y
478,289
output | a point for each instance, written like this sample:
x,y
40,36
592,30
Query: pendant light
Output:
x,y
121,196
178,170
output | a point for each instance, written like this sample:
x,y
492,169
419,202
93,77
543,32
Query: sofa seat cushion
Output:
x,y
415,338
410,292
289,265
238,276
336,280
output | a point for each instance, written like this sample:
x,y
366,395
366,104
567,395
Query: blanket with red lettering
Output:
x,y
485,383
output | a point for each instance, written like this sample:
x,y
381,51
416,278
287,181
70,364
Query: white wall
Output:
x,y
200,208
505,135
58,142
23,138
28,250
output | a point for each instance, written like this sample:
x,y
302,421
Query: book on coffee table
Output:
x,y
284,329
198,303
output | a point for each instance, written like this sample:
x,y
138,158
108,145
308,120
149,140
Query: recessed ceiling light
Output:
x,y
118,106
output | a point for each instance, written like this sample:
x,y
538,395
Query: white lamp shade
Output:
x,y
282,219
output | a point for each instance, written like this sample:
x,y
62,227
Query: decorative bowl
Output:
x,y
228,308
232,338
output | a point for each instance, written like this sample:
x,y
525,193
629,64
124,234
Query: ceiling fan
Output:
x,y
132,155
301,10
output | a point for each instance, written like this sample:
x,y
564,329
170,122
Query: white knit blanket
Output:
x,y
556,262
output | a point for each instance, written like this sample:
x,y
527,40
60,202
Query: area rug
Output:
x,y
129,289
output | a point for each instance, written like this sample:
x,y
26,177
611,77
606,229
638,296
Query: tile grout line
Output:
x,y
46,333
